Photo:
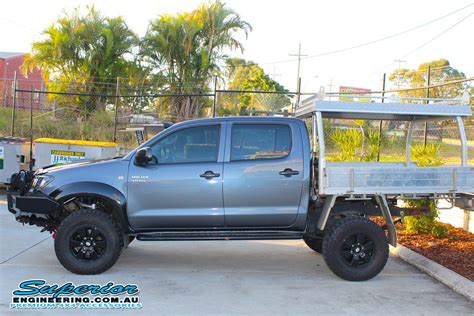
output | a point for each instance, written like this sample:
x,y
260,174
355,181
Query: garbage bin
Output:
x,y
51,151
14,156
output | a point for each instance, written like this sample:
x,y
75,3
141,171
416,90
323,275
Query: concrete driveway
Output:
x,y
229,277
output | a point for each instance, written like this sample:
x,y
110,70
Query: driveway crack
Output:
x,y
25,250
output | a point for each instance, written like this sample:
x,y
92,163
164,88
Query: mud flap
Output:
x,y
392,232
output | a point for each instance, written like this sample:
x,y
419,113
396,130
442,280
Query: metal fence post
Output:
x,y
215,98
428,81
116,109
237,104
14,105
31,130
380,124
5,96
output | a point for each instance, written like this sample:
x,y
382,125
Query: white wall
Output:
x,y
454,216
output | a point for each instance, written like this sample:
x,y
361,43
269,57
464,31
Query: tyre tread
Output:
x,y
102,217
345,272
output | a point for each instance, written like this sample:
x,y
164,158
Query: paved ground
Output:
x,y
233,277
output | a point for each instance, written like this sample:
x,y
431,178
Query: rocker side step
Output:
x,y
220,235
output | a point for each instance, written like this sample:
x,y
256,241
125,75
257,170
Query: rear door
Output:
x,y
263,174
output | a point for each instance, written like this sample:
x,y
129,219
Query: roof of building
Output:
x,y
74,142
6,55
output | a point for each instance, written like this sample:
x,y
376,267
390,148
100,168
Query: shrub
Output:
x,y
347,143
425,156
425,223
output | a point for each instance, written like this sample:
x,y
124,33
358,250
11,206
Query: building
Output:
x,y
10,63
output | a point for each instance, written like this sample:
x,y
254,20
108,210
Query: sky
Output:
x,y
279,26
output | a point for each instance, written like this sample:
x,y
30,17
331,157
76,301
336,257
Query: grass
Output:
x,y
64,125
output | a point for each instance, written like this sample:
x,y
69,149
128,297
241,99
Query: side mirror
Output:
x,y
143,156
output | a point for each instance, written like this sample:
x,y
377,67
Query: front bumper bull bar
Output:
x,y
36,203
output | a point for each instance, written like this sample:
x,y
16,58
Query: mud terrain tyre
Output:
x,y
355,249
88,241
314,243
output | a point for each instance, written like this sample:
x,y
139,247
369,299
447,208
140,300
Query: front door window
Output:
x,y
190,145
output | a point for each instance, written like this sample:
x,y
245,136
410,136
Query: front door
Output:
x,y
182,186
263,173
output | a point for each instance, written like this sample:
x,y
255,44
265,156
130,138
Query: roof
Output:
x,y
13,140
235,119
75,142
383,111
6,55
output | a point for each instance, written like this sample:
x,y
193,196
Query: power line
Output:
x,y
439,35
376,40
418,88
429,41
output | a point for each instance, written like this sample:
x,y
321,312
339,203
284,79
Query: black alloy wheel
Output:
x,y
355,248
88,243
358,250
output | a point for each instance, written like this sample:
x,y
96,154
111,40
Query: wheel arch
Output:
x,y
107,193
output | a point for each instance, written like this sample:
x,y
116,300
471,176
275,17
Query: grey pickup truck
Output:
x,y
240,178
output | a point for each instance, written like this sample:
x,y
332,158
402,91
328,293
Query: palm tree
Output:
x,y
84,49
188,50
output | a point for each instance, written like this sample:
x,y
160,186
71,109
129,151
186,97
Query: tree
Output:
x,y
441,72
246,75
187,50
84,49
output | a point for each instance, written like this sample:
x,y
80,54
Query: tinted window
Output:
x,y
260,141
196,144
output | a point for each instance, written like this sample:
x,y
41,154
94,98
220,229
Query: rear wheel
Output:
x,y
314,243
88,241
355,249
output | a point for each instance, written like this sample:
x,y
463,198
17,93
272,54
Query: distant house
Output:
x,y
9,63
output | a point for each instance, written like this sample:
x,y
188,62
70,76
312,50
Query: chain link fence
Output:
x,y
113,111
360,140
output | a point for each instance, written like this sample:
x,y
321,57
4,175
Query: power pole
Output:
x,y
274,75
298,79
399,61
330,89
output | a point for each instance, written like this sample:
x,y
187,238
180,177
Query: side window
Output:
x,y
195,144
260,141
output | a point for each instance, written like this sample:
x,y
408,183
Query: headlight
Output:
x,y
40,182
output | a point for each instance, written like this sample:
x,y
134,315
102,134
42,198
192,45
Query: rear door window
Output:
x,y
260,141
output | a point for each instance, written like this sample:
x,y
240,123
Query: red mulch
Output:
x,y
455,251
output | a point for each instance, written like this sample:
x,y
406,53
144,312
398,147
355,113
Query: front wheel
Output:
x,y
88,241
356,249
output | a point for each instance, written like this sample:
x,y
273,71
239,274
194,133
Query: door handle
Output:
x,y
209,174
288,172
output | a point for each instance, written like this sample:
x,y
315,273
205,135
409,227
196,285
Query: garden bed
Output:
x,y
455,251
